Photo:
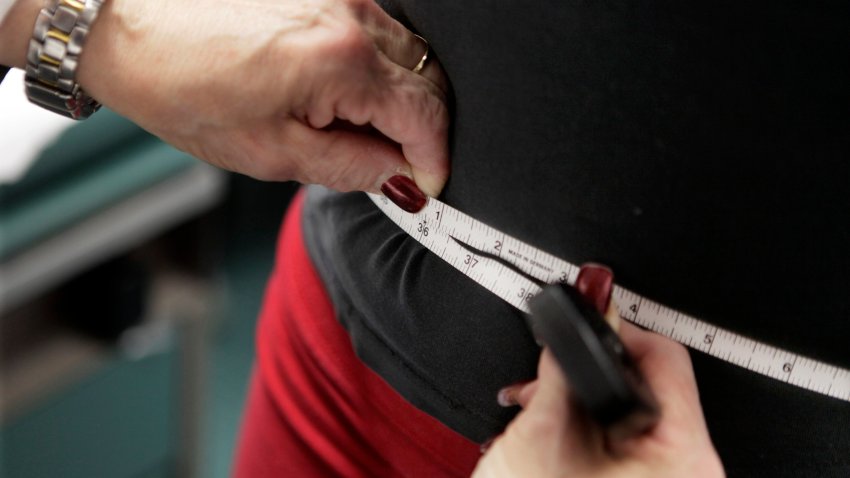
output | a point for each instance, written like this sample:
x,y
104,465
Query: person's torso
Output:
x,y
698,149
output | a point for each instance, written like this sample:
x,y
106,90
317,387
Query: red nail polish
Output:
x,y
404,193
595,283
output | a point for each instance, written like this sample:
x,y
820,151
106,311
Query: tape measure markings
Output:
x,y
445,231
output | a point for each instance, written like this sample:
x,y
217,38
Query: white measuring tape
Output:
x,y
441,228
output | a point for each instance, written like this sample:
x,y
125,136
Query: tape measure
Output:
x,y
515,271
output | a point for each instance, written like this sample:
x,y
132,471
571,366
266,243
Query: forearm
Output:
x,y
15,32
257,86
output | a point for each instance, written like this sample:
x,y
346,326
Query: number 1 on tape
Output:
x,y
480,252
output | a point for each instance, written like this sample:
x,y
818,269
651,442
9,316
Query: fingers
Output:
x,y
409,108
552,416
667,368
517,394
680,438
406,109
344,159
649,349
430,69
365,87
364,78
552,390
397,43
412,112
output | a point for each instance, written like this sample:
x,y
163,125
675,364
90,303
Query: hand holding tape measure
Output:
x,y
613,433
514,271
603,414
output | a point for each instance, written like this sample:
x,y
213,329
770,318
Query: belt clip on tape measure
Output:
x,y
604,377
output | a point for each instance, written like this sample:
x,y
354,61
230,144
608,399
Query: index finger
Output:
x,y
411,110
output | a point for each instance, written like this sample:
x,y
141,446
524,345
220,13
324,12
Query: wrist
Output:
x,y
121,60
16,31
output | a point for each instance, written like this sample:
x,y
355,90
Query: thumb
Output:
x,y
553,409
412,112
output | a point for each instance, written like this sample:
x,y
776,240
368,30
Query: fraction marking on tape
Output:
x,y
514,271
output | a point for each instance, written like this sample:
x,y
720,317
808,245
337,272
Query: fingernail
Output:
x,y
595,283
487,444
507,396
404,193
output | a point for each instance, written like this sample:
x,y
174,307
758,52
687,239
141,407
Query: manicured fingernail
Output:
x,y
404,193
595,283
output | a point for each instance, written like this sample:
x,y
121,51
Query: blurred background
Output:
x,y
131,276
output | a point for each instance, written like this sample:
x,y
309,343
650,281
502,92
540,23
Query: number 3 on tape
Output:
x,y
480,252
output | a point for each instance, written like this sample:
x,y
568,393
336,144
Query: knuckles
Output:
x,y
341,42
362,10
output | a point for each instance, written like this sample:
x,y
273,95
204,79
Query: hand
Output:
x,y
551,437
275,89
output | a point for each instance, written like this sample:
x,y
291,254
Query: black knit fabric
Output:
x,y
698,148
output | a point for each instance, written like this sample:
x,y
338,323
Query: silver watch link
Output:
x,y
54,51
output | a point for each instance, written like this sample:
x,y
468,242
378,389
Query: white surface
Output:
x,y
25,129
439,226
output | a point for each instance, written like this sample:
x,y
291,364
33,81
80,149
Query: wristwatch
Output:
x,y
52,57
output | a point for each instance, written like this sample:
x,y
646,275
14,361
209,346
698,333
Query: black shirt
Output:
x,y
700,149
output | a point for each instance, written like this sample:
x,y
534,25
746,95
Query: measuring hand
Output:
x,y
481,253
601,374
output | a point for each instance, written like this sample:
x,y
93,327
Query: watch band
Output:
x,y
53,54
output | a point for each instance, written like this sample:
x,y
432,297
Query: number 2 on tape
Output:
x,y
481,253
